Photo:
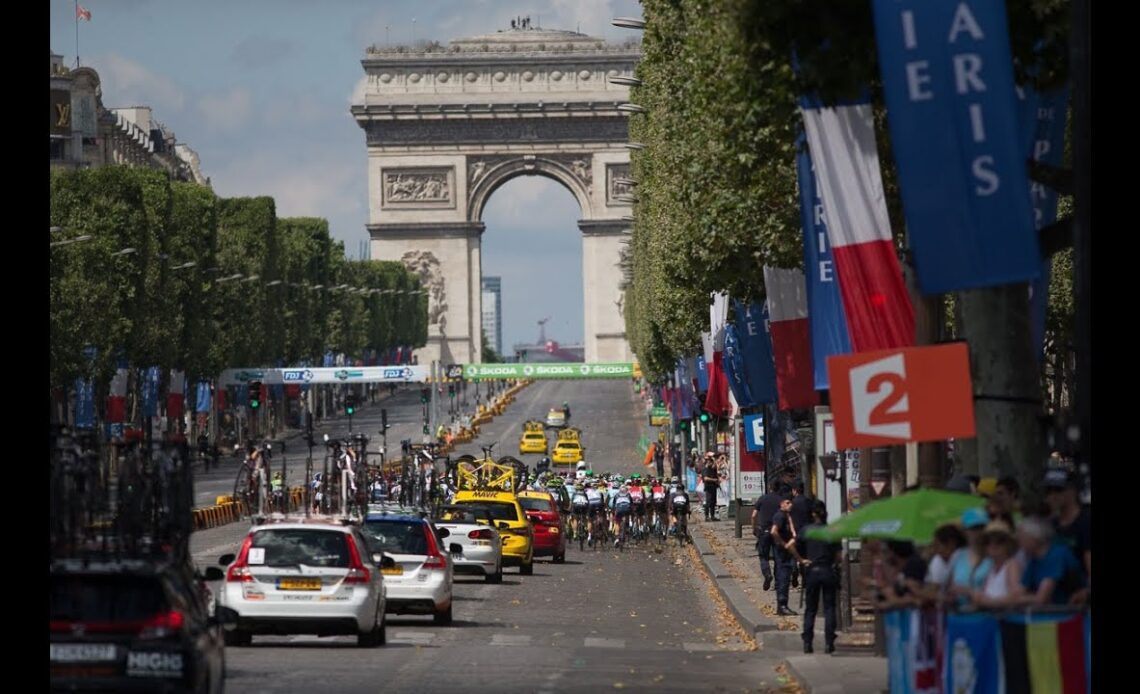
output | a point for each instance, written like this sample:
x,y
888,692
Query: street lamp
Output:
x,y
628,23
68,242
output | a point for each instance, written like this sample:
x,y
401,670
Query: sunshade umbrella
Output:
x,y
912,516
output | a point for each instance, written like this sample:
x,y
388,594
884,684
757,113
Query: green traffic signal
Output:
x,y
254,395
704,417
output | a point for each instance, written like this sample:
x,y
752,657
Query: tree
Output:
x,y
490,356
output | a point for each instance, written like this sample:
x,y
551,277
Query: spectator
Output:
x,y
1003,584
711,477
1071,521
969,569
1052,575
949,542
906,573
1004,501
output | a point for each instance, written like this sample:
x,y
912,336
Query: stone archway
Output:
x,y
447,126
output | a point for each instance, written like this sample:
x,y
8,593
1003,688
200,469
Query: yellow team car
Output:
x,y
567,452
533,442
503,509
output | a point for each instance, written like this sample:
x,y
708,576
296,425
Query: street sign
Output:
x,y
565,370
754,432
455,371
878,486
658,416
902,395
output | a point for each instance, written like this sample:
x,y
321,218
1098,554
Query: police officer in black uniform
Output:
x,y
820,560
784,542
801,518
766,507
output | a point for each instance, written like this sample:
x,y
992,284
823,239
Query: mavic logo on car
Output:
x,y
289,375
154,664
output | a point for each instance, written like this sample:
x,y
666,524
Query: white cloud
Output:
x,y
228,111
127,83
303,184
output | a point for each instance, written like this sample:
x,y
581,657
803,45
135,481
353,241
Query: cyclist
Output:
x,y
581,504
622,506
637,496
678,503
657,494
596,508
566,410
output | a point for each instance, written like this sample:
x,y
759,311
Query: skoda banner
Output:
x,y
549,371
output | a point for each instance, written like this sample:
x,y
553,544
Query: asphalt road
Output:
x,y
643,619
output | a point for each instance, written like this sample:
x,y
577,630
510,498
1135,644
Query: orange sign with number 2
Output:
x,y
902,395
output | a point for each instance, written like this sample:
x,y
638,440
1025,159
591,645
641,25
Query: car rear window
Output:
x,y
497,511
95,598
308,546
565,444
396,537
535,436
533,504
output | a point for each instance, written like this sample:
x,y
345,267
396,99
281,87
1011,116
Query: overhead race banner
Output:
x,y
948,80
568,370
302,376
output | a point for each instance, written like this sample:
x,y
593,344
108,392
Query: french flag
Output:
x,y
175,396
791,338
841,141
117,400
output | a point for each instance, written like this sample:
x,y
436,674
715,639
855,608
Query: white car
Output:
x,y
481,546
305,577
420,582
555,419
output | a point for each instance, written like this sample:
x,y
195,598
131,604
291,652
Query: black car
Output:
x,y
134,625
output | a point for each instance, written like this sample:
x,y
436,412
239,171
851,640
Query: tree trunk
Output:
x,y
1007,393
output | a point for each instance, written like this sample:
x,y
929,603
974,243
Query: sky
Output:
x,y
261,89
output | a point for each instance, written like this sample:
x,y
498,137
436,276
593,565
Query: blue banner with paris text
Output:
x,y
756,351
952,110
1043,139
828,323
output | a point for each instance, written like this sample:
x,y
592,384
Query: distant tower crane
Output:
x,y
542,330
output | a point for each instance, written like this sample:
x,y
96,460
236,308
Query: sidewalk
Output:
x,y
735,569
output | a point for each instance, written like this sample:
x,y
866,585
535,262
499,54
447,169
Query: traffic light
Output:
x,y
451,390
384,420
425,395
254,395
704,418
684,425
426,430
350,404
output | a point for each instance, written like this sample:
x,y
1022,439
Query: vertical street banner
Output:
x,y
752,332
117,400
791,341
175,395
84,403
841,142
150,384
734,369
203,401
947,75
1042,118
702,374
828,323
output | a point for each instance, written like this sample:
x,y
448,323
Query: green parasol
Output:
x,y
913,516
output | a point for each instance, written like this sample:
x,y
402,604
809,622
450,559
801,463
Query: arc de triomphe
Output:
x,y
447,125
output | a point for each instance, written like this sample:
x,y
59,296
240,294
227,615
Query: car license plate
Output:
x,y
82,652
394,571
299,584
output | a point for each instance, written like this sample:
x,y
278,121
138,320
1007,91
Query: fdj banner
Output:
x,y
952,110
549,371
